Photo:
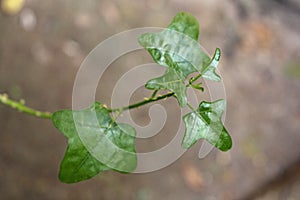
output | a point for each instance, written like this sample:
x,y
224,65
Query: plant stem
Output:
x,y
192,80
146,101
20,106
152,98
154,94
191,107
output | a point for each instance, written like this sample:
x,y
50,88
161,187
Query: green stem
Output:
x,y
22,108
192,80
152,98
191,107
139,104
154,94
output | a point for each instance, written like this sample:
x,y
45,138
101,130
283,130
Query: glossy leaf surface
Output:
x,y
173,80
205,123
95,143
179,40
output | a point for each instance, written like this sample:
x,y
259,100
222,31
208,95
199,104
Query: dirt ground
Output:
x,y
42,47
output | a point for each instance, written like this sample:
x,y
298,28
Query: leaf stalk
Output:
x,y
146,101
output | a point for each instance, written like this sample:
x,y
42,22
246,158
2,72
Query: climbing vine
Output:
x,y
97,142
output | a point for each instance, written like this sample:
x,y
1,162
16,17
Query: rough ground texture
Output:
x,y
41,49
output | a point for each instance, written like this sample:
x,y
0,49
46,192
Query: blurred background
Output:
x,y
42,44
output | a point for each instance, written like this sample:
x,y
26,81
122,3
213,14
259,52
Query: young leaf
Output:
x,y
185,23
95,143
210,72
179,40
173,80
205,123
198,87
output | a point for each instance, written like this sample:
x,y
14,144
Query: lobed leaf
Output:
x,y
95,143
173,80
179,40
210,72
205,123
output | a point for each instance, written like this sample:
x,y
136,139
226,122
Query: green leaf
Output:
x,y
210,72
179,40
173,80
198,87
95,143
185,23
205,123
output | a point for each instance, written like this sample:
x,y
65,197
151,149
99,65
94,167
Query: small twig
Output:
x,y
191,107
20,106
154,94
193,79
139,104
